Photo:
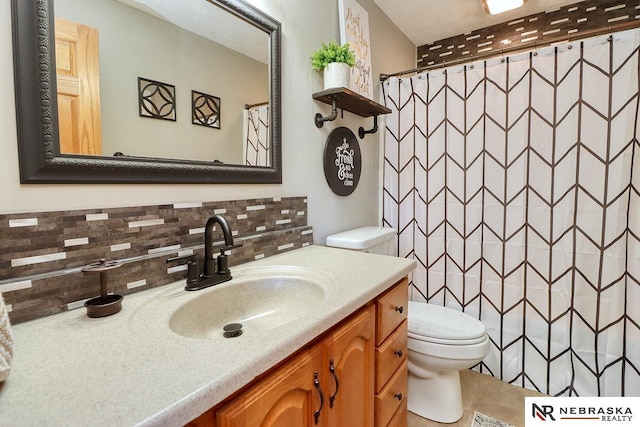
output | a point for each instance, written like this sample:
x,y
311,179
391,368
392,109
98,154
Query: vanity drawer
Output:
x,y
391,397
400,417
390,355
391,310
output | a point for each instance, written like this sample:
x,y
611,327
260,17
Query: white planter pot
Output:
x,y
336,74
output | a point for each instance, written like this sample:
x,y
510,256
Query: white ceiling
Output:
x,y
426,21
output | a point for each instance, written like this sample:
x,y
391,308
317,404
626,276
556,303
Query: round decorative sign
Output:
x,y
342,161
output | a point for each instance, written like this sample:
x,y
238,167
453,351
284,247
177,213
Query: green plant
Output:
x,y
332,52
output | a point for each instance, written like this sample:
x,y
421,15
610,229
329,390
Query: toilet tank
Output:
x,y
372,239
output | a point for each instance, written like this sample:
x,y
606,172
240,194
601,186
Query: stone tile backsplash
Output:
x,y
567,22
41,254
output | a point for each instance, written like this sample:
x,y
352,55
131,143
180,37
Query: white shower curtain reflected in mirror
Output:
x,y
256,146
514,182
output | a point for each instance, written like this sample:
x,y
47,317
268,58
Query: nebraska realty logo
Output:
x,y
582,411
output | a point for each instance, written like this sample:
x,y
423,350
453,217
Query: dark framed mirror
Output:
x,y
39,128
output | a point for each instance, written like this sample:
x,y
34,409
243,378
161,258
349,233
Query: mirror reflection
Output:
x,y
161,79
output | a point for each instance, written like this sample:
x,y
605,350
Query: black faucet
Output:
x,y
216,270
209,262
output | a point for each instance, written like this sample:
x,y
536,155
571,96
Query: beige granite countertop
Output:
x,y
130,369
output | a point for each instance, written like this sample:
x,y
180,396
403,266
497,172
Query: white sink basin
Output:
x,y
261,299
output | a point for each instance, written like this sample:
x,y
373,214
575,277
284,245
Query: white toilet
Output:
x,y
441,341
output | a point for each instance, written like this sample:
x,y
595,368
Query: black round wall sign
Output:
x,y
342,161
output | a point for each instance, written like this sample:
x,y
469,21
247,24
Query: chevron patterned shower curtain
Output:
x,y
515,184
257,148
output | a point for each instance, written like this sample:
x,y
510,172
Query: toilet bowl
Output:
x,y
441,342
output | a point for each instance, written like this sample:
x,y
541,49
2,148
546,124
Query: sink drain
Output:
x,y
232,330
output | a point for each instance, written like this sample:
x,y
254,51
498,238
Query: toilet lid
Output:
x,y
428,321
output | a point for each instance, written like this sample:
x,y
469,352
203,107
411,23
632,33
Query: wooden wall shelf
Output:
x,y
351,101
347,99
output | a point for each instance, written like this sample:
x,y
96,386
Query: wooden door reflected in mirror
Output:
x,y
78,80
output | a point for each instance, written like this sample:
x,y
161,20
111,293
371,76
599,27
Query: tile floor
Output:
x,y
486,394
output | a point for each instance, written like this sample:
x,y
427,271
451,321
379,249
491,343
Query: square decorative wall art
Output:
x,y
205,110
354,29
156,100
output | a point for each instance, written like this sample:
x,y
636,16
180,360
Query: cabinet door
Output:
x,y
288,397
348,371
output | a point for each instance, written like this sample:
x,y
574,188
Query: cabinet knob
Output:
x,y
399,309
398,353
398,396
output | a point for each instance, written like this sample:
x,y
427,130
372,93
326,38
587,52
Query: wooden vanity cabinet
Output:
x,y
348,366
342,366
335,375
287,397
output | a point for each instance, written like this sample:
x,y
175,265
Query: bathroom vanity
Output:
x,y
337,372
315,320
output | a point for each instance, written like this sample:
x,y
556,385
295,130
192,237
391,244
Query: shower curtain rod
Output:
x,y
517,49
259,104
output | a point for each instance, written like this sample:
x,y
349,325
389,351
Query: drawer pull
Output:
x,y
398,396
316,383
399,309
398,353
332,369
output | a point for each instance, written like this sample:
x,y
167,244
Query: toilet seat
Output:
x,y
447,353
441,325
442,341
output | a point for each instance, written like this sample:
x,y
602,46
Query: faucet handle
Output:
x,y
222,263
225,248
193,267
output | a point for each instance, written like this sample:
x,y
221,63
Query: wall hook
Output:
x,y
319,120
374,129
